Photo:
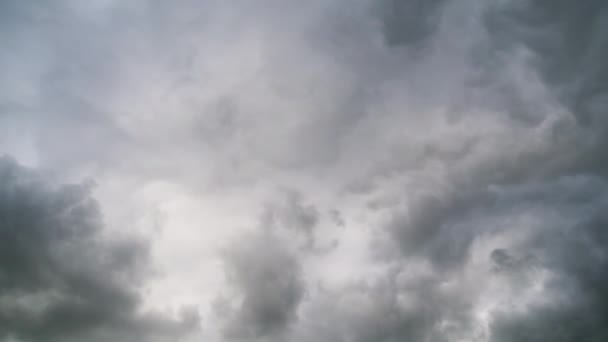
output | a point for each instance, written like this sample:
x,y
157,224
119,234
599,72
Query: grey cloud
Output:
x,y
409,22
530,150
560,257
270,286
337,218
445,225
428,228
571,245
462,123
567,48
514,168
565,38
291,213
293,217
502,258
60,279
395,307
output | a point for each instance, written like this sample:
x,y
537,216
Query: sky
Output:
x,y
299,171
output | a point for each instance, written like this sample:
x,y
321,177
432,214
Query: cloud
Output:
x,y
61,279
574,302
392,308
449,153
409,22
269,287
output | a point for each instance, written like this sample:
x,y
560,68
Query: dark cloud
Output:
x,y
537,188
551,278
571,246
269,287
61,279
554,184
408,23
566,40
566,47
428,228
466,137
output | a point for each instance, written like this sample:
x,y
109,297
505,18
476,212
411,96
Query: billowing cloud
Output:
x,y
269,282
61,279
323,170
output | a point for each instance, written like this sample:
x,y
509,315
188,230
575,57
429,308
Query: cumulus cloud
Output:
x,y
60,278
439,164
269,285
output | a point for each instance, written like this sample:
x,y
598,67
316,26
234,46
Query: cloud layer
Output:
x,y
322,170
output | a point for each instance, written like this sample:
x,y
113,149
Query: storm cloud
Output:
x,y
60,278
325,170
269,279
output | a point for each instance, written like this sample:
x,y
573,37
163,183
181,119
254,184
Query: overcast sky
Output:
x,y
304,171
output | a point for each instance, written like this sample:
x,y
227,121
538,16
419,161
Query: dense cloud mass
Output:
x,y
60,280
269,280
324,170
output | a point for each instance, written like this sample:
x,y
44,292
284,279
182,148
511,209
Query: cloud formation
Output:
x,y
60,278
323,170
269,281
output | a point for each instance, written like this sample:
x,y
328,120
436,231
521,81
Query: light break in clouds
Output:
x,y
304,171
